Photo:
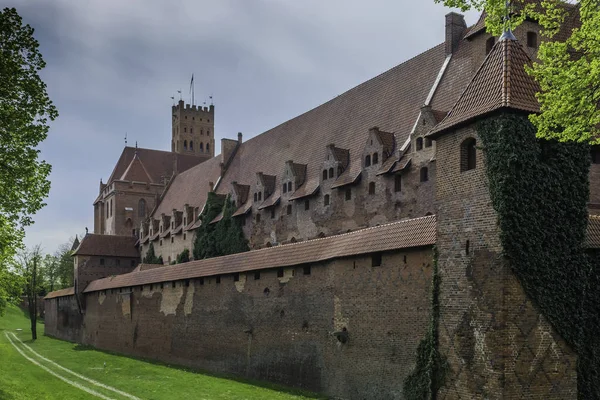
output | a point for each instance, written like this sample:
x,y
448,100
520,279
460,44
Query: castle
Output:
x,y
342,206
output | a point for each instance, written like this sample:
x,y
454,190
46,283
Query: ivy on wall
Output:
x,y
151,256
540,190
431,366
223,237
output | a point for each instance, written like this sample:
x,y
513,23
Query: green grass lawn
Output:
x,y
21,379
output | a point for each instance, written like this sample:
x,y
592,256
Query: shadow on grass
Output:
x,y
249,381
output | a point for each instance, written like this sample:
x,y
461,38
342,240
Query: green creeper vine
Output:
x,y
431,366
540,189
221,238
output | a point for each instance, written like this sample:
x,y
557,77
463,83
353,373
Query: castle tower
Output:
x,y
193,130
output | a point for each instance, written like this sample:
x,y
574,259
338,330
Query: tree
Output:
x,y
568,70
205,245
151,256
183,257
11,287
30,261
25,109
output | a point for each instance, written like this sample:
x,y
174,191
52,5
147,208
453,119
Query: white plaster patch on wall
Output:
x,y
288,273
189,300
148,293
171,296
239,285
125,300
339,321
101,298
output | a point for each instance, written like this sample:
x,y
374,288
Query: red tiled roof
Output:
x,y
402,164
308,189
107,245
410,233
391,101
270,201
190,187
500,82
136,172
60,293
158,164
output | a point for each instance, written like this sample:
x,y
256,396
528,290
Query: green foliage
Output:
x,y
431,366
11,287
568,71
25,109
221,238
540,190
204,242
183,257
151,256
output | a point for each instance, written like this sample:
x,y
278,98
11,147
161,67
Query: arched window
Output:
x,y
191,130
324,174
184,130
375,158
368,161
259,196
207,147
468,155
419,143
289,186
331,172
191,145
111,207
284,188
489,44
208,132
255,197
532,40
142,208
424,174
340,170
371,187
128,223
185,144
326,200
398,183
201,147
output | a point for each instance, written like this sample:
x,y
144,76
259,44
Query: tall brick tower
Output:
x,y
193,130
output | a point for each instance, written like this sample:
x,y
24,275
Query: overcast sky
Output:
x,y
112,66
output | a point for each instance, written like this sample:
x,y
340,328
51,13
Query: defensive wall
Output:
x,y
342,315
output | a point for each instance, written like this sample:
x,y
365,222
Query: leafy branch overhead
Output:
x,y
25,110
568,65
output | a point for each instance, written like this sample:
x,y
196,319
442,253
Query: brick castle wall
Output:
x,y
498,345
278,328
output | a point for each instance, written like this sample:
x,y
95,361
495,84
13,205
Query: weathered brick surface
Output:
x,y
498,345
63,319
279,328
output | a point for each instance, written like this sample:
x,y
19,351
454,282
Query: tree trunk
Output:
x,y
33,301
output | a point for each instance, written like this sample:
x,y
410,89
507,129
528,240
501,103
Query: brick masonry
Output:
x,y
275,328
498,345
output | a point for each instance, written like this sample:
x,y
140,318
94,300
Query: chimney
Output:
x,y
228,147
455,29
240,137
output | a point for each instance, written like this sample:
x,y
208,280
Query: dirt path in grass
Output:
x,y
38,359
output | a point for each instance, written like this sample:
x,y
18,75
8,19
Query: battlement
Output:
x,y
181,106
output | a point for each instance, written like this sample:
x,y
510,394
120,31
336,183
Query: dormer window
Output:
x,y
532,40
368,160
419,144
489,45
375,158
